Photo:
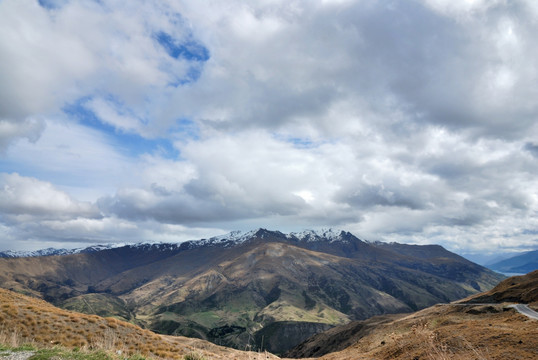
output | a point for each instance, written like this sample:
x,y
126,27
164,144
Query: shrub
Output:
x,y
193,356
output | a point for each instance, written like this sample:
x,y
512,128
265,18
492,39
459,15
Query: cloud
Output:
x,y
11,131
27,199
225,177
75,158
406,121
55,54
275,66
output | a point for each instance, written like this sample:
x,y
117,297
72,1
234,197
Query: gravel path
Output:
x,y
16,355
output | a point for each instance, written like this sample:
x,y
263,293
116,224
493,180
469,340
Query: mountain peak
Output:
x,y
325,234
235,237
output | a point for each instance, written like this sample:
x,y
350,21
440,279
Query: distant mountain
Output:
x,y
519,264
55,252
244,288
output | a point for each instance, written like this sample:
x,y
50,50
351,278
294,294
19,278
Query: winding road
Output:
x,y
520,308
525,310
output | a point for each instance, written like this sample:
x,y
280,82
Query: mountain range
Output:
x,y
519,264
249,289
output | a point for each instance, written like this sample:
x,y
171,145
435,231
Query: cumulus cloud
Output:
x,y
405,121
26,199
277,65
54,55
228,177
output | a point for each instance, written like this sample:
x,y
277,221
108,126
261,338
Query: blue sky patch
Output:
x,y
128,143
298,142
51,4
189,50
193,73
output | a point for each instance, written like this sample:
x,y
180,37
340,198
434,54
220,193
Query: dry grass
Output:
x,y
25,320
441,332
450,332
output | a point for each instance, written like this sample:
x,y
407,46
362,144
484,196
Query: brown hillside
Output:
x,y
473,330
450,332
27,320
520,289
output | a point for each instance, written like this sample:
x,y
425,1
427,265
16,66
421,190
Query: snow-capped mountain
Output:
x,y
55,252
231,239
281,279
330,235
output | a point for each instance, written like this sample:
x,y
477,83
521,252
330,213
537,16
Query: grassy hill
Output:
x,y
26,320
518,289
461,330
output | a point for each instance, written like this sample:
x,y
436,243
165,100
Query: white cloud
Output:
x,y
10,131
26,199
74,158
404,120
51,58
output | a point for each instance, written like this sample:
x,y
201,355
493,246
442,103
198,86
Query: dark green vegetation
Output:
x,y
279,336
338,338
235,294
104,305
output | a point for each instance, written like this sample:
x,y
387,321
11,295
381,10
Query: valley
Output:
x,y
461,330
465,329
246,290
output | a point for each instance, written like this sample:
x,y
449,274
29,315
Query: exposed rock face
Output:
x,y
280,336
337,338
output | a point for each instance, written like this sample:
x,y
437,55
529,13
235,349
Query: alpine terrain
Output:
x,y
261,289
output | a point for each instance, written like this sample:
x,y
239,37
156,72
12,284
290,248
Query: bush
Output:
x,y
193,356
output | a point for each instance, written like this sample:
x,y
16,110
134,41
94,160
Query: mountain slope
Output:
x,y
26,320
521,264
227,289
519,289
450,331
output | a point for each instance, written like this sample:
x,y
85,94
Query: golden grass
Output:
x,y
440,332
449,332
25,320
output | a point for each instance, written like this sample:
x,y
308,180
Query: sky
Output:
x,y
410,121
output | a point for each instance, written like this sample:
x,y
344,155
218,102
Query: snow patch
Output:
x,y
233,238
330,235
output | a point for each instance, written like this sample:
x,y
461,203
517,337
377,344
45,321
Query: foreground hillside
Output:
x,y
25,320
463,330
263,289
517,289
450,331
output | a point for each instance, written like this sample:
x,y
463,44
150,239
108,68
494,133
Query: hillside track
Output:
x,y
525,310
